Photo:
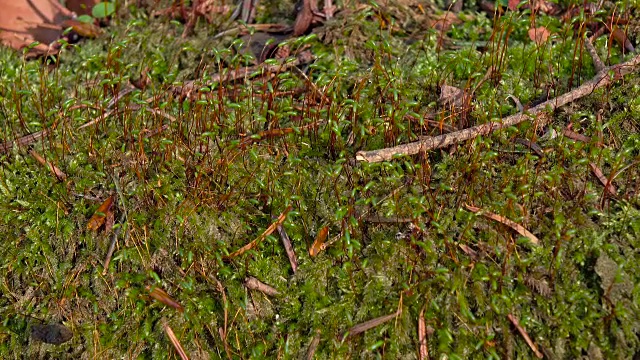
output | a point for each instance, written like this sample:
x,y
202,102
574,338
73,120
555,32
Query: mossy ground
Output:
x,y
192,195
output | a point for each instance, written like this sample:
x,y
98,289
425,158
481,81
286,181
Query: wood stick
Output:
x,y
603,78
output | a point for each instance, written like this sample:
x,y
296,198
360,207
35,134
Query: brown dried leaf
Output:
x,y
621,38
162,296
469,251
444,21
455,98
360,328
99,217
575,136
539,35
23,22
603,179
501,219
304,17
317,245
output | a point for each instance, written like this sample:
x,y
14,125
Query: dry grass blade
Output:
x,y
603,179
101,214
360,328
255,284
423,352
501,219
162,296
176,344
262,236
223,336
524,334
291,254
54,169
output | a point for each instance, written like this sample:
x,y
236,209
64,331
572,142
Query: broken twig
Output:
x,y
603,78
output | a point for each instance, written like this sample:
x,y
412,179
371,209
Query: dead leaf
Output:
x,y
621,38
304,17
317,245
23,22
603,179
175,342
539,35
444,21
162,296
360,328
575,136
262,236
513,4
99,217
501,219
469,251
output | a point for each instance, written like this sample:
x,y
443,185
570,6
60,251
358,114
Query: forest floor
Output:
x,y
185,186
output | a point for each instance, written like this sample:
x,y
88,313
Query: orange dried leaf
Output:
x,y
501,219
539,35
162,296
317,245
101,213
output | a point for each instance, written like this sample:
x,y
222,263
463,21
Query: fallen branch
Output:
x,y
603,78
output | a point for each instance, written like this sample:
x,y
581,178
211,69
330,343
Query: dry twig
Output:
x,y
603,78
255,284
524,334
